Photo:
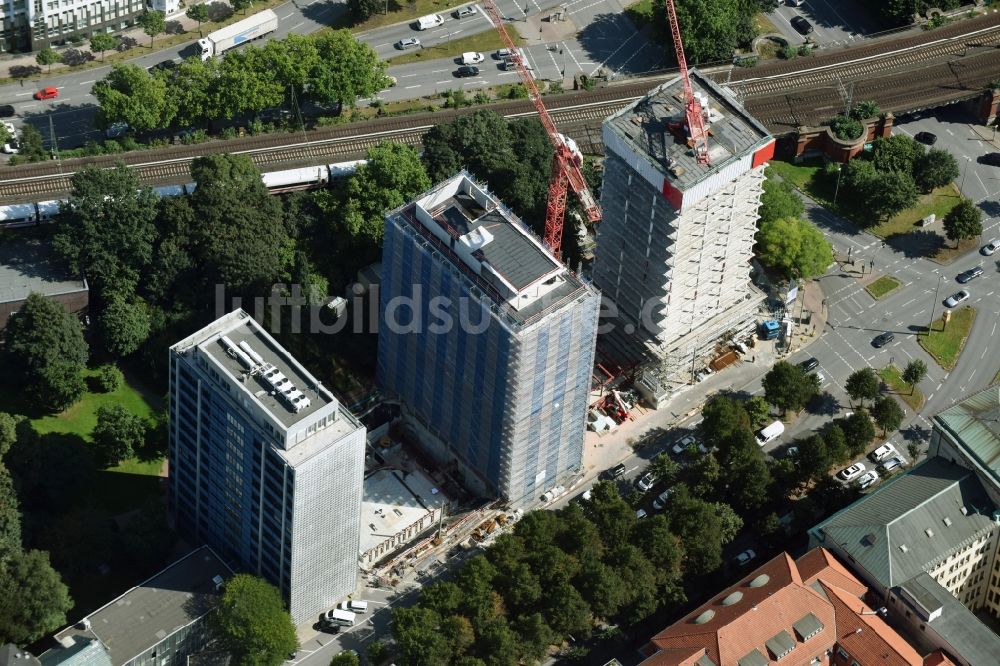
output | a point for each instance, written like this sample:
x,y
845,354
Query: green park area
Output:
x,y
945,342
910,394
485,42
882,286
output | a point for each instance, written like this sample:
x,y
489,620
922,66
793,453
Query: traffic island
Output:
x,y
882,287
947,336
909,393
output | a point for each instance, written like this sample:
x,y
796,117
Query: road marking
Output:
x,y
378,46
929,397
297,25
22,94
411,87
973,373
940,384
437,83
438,71
83,83
984,353
949,131
286,15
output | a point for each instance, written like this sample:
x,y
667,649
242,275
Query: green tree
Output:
x,y
131,95
701,529
460,633
292,61
758,410
109,378
665,469
346,658
859,431
33,598
712,29
535,636
722,419
863,385
789,387
418,637
703,476
9,424
813,459
32,145
914,373
566,611
111,232
10,516
194,93
198,13
795,247
153,23
935,168
102,42
836,444
244,85
47,352
239,240
898,152
963,221
241,5
847,128
346,69
780,200
896,192
48,57
887,413
865,110
252,622
377,652
364,9
124,324
497,643
747,475
392,176
118,434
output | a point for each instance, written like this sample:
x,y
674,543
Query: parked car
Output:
x,y
928,138
646,482
503,53
472,58
165,65
882,339
989,159
852,472
661,500
466,71
745,557
956,298
971,274
801,25
893,463
882,452
6,111
686,442
462,12
48,92
615,472
12,147
991,247
791,451
407,43
640,514
809,364
868,480
550,495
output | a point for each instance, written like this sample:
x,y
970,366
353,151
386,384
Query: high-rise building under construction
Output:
x,y
674,247
487,340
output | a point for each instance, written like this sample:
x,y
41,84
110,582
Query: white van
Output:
x,y
339,617
770,433
472,58
357,606
429,21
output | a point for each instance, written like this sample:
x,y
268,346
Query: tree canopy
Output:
x,y
253,623
118,434
130,94
887,413
914,372
898,152
33,599
789,387
780,200
935,168
793,246
963,221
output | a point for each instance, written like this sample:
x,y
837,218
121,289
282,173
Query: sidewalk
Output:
x,y
604,450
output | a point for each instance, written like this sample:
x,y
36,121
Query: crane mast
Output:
x,y
695,122
565,172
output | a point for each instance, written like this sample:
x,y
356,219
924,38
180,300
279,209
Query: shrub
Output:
x,y
109,378
846,129
787,52
805,50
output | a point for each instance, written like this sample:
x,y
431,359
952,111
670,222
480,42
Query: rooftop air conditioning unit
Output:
x,y
218,582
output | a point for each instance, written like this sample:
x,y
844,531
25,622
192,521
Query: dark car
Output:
x,y
809,364
165,65
615,472
466,71
803,26
990,159
970,274
928,138
6,111
883,339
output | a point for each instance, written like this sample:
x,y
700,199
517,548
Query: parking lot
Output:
x,y
833,23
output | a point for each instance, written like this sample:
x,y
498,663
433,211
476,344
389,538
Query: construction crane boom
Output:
x,y
695,122
565,163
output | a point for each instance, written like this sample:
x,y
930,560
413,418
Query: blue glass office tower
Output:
x,y
487,340
266,466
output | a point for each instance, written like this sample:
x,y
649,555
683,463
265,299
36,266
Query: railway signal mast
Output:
x,y
693,110
565,162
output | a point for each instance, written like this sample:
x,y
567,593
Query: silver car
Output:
x,y
868,480
852,472
955,299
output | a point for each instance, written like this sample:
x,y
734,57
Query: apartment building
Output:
x,y
674,247
266,465
487,340
34,24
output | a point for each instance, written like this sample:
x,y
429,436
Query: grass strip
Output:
x,y
882,286
945,343
911,395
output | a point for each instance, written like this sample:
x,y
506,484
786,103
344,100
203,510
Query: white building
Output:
x,y
34,24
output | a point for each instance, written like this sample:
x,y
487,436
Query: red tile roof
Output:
x,y
772,599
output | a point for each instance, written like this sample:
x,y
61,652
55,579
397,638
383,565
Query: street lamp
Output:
x,y
968,160
871,265
934,304
836,191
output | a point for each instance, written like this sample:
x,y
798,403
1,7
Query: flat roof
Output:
x,y
393,501
974,424
151,611
646,127
492,248
30,265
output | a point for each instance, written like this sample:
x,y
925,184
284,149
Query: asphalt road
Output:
x,y
834,22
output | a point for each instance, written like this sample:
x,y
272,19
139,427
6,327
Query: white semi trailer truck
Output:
x,y
249,29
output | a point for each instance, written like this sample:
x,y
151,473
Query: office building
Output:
x,y
926,542
968,434
160,622
266,465
674,247
34,24
486,339
805,612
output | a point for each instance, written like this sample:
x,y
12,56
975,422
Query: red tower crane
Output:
x,y
695,122
565,163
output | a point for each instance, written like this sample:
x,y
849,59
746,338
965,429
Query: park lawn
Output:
x,y
806,176
81,418
938,202
483,42
945,345
882,286
911,395
764,25
641,13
